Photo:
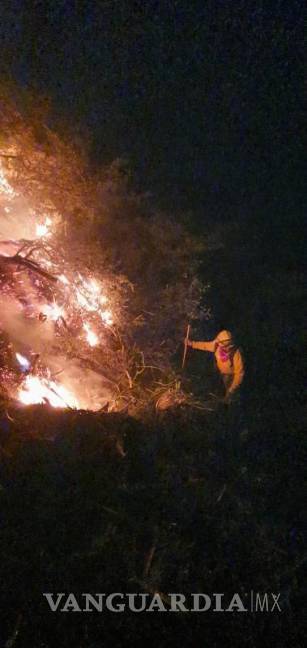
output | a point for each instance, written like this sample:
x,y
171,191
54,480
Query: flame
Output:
x,y
53,311
42,229
5,186
39,390
90,335
90,297
84,302
106,317
92,286
24,362
89,294
80,297
64,279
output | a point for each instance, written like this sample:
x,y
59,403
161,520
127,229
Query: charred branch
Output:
x,y
30,265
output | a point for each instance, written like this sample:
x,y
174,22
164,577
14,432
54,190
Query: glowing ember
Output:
x,y
42,229
90,335
64,280
92,286
5,187
24,362
106,317
40,390
84,302
89,295
53,311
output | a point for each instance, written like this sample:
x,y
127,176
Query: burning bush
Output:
x,y
95,286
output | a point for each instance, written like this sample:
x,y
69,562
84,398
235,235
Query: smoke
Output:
x,y
9,248
17,221
24,331
91,390
29,335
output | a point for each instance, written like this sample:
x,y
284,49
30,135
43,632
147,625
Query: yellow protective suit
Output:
x,y
231,369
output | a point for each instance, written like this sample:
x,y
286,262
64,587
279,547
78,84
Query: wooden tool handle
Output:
x,y
185,345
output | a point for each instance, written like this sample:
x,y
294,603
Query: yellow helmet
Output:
x,y
225,338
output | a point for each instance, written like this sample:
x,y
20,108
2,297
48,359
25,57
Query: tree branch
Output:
x,y
30,265
5,155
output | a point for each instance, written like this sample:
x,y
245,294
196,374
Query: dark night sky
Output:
x,y
204,97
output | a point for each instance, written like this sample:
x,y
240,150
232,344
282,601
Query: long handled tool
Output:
x,y
185,346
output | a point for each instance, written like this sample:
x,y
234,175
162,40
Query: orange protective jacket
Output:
x,y
233,367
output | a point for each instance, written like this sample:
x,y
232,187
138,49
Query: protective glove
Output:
x,y
189,343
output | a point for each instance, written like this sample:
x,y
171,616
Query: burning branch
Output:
x,y
81,320
30,265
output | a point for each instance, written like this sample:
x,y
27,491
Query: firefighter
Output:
x,y
228,358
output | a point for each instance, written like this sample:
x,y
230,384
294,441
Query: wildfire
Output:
x,y
90,335
24,362
89,294
5,186
43,229
64,280
53,311
78,299
106,317
91,298
40,390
